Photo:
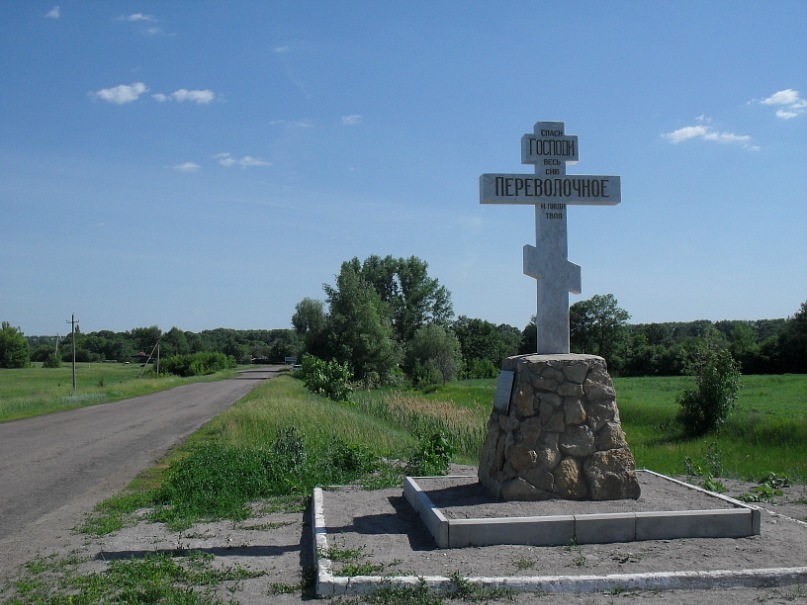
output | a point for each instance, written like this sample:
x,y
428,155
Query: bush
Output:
x,y
432,455
426,374
196,364
481,368
52,361
330,379
351,459
707,407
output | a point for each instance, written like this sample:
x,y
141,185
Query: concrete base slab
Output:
x,y
715,516
379,518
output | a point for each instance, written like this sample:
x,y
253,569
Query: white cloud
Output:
x,y
686,133
292,123
789,102
707,133
125,93
53,13
187,167
227,160
351,120
202,97
134,17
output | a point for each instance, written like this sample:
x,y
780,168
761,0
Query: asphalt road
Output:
x,y
55,468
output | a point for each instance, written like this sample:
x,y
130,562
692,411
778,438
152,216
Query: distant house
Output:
x,y
140,357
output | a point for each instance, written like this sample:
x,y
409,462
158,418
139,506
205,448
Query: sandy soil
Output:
x,y
388,535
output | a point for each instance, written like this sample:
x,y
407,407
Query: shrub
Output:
x,y
352,458
481,368
706,407
432,455
426,374
328,378
52,361
196,364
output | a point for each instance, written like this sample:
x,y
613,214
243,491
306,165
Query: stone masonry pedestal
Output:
x,y
559,435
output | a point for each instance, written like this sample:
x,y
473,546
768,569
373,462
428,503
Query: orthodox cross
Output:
x,y
550,190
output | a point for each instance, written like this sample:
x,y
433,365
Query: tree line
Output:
x,y
243,346
387,320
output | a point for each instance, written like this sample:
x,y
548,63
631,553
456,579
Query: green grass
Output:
x,y
767,431
239,456
35,390
158,578
280,440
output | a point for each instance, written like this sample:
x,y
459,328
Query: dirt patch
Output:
x,y
383,533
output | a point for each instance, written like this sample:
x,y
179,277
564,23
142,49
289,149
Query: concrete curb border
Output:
x,y
328,585
738,521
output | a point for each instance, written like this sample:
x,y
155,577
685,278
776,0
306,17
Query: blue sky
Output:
x,y
210,164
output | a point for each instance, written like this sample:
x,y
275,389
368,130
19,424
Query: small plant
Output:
x,y
769,487
364,568
627,557
341,555
714,465
523,564
712,484
573,547
404,595
776,481
432,455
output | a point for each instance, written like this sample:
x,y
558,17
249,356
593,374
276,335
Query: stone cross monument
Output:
x,y
550,191
554,431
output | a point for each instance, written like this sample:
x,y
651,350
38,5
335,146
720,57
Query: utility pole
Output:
x,y
73,321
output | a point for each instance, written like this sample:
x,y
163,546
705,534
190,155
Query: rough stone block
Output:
x,y
561,437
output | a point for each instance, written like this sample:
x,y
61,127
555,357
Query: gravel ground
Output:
x,y
382,530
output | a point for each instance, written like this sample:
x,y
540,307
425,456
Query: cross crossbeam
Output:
x,y
550,190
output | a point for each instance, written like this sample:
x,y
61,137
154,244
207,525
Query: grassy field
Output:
x,y
329,442
766,433
280,440
36,390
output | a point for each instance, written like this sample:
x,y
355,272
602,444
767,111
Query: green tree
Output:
x,y
529,339
706,407
403,284
42,352
359,329
484,345
13,347
792,344
598,326
743,344
145,338
433,353
174,342
309,321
